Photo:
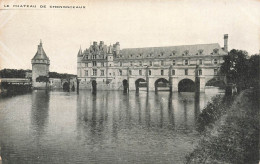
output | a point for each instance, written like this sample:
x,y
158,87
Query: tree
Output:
x,y
240,69
43,79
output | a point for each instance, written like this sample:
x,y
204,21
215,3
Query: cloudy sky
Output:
x,y
132,23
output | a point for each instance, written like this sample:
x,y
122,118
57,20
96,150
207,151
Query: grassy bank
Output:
x,y
234,137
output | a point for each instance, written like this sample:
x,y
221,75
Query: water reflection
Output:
x,y
105,127
39,111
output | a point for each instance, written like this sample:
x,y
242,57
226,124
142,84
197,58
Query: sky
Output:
x,y
132,23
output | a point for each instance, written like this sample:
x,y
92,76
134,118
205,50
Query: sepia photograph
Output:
x,y
129,82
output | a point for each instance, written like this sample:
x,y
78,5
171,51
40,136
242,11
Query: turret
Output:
x,y
116,49
40,68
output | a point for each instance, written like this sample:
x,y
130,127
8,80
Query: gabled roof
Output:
x,y
40,54
171,51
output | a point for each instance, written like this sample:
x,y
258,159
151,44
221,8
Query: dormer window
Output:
x,y
162,53
186,52
216,50
200,51
151,54
173,52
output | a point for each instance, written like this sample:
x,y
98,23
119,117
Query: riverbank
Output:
x,y
234,137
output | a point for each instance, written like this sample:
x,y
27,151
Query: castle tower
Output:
x,y
40,68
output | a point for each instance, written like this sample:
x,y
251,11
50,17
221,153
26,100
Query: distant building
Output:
x,y
40,68
110,68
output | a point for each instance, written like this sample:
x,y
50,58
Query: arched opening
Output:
x,y
140,83
216,82
186,85
161,83
125,85
66,86
94,86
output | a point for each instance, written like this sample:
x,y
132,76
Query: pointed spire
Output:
x,y
40,54
80,51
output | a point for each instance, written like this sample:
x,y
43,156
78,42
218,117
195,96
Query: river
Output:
x,y
109,127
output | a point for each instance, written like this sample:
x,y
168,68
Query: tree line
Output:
x,y
21,73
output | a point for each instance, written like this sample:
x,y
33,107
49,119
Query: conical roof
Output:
x,y
40,54
80,52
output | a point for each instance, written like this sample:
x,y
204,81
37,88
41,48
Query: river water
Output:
x,y
109,127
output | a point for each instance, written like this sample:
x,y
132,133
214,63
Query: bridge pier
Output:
x,y
202,83
174,84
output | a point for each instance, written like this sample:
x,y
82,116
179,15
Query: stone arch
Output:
x,y
186,85
216,82
161,82
66,86
94,85
125,85
138,85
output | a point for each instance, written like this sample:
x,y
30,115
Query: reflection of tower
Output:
x,y
147,111
171,111
40,111
94,113
196,106
137,100
185,103
40,68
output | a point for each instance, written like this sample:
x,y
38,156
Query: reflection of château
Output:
x,y
111,68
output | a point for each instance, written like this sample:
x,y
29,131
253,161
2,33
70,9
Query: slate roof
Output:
x,y
40,54
171,51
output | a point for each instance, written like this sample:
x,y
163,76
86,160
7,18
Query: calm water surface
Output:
x,y
109,127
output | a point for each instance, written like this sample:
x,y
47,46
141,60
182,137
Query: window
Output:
x,y
86,64
140,63
186,71
186,62
94,72
102,64
110,65
94,63
173,72
86,73
87,57
131,63
200,72
215,71
215,61
150,72
162,63
120,72
140,72
151,63
102,73
120,64
94,56
173,62
130,72
200,61
162,72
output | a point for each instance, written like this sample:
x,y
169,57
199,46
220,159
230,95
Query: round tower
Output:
x,y
40,69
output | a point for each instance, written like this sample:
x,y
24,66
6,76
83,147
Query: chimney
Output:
x,y
226,42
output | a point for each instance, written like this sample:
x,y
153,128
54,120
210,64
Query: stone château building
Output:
x,y
40,68
105,67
